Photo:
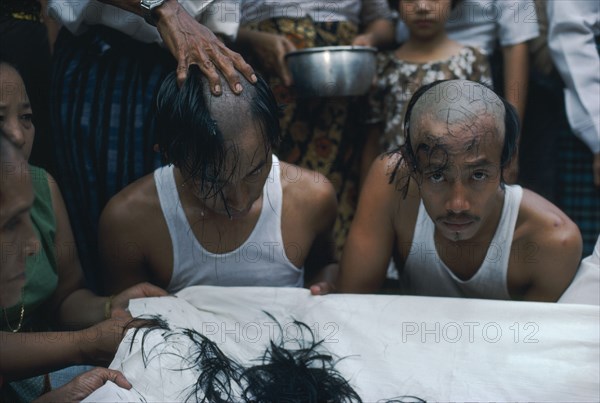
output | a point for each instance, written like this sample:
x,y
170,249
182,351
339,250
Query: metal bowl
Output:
x,y
332,70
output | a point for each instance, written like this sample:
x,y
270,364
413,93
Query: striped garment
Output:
x,y
577,195
579,198
102,93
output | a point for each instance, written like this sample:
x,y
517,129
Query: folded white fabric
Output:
x,y
434,348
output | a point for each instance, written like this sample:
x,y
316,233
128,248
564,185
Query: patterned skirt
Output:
x,y
321,134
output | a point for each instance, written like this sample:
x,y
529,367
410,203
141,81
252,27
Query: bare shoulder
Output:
x,y
542,222
552,239
58,203
392,184
134,204
548,248
308,192
54,191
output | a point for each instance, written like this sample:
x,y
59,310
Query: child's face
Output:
x,y
425,18
16,116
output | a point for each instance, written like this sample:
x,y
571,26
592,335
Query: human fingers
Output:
x,y
321,288
362,40
118,378
284,47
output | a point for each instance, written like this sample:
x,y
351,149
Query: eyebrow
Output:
x,y
440,166
479,163
24,105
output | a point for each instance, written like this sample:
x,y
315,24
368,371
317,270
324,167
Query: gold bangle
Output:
x,y
108,307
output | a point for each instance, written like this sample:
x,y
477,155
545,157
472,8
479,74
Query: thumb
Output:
x,y
150,290
119,379
321,288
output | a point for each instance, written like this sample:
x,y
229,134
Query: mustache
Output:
x,y
460,217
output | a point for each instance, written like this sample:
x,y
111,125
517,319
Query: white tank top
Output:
x,y
260,261
425,273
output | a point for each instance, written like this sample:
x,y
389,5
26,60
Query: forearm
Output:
x,y
381,31
30,354
82,309
247,37
516,78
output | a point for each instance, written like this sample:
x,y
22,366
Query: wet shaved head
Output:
x,y
470,113
450,117
231,112
197,130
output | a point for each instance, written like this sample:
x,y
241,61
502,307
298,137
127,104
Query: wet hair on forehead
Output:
x,y
197,130
462,104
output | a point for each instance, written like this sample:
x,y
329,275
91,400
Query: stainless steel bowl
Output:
x,y
332,70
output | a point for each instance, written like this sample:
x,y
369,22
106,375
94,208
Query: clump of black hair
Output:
x,y
305,374
299,375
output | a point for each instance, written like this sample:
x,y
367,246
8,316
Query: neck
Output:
x,y
427,45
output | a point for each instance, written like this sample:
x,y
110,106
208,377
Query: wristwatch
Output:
x,y
148,6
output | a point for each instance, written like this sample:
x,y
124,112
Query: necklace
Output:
x,y
22,315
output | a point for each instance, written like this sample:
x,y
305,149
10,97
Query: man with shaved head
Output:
x,y
440,208
224,211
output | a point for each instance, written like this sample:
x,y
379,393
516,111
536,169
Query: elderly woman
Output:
x,y
319,133
17,232
51,292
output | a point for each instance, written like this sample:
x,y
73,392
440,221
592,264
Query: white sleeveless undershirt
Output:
x,y
260,261
425,273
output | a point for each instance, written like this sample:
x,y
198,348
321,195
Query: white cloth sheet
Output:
x,y
439,349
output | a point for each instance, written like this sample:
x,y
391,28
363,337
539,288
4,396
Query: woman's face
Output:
x,y
17,237
425,18
16,116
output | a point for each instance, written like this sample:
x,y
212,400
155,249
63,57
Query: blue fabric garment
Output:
x,y
102,102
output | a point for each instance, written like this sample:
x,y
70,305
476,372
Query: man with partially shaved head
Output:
x,y
440,208
223,211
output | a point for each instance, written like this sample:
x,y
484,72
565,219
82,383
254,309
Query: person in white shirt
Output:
x,y
574,32
441,209
225,211
585,288
573,28
107,65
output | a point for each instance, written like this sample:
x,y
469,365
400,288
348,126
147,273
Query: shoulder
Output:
x,y
58,204
391,173
544,225
391,188
309,192
135,203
